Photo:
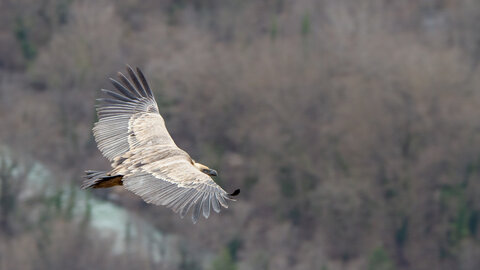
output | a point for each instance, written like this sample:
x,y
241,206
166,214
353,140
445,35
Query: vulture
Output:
x,y
131,134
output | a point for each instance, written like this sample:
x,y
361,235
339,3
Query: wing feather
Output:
x,y
129,85
175,183
206,205
115,95
128,93
136,82
215,204
145,83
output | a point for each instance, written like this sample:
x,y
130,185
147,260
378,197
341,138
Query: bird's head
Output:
x,y
205,169
211,172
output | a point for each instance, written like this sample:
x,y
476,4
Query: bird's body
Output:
x,y
132,134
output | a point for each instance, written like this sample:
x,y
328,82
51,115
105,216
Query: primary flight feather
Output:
x,y
132,135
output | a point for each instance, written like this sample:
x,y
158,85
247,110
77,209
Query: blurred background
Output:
x,y
352,128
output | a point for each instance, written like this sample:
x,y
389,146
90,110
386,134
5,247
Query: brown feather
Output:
x,y
110,182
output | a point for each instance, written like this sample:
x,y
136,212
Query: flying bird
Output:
x,y
132,135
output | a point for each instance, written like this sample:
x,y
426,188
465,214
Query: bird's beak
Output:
x,y
212,173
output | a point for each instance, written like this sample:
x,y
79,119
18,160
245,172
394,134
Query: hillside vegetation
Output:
x,y
352,128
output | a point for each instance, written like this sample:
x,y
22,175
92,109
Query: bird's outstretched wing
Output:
x,y
170,179
129,118
131,133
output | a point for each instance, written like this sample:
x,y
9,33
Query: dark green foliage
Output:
x,y
187,262
379,260
463,222
62,10
233,247
401,235
287,182
12,180
306,25
22,34
223,261
274,29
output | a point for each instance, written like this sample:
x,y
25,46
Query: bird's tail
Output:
x,y
94,179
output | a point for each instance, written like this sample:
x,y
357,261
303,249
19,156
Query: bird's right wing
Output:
x,y
129,118
166,176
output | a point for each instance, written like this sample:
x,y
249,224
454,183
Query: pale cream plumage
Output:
x,y
132,134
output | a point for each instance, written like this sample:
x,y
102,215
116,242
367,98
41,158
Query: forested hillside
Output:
x,y
351,127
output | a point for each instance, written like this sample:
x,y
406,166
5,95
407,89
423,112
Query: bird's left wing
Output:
x,y
129,119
